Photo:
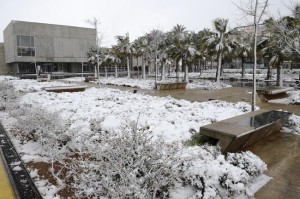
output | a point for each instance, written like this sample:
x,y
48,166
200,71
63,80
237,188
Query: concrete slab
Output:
x,y
170,85
60,89
241,131
269,93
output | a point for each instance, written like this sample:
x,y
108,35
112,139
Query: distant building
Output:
x,y
51,48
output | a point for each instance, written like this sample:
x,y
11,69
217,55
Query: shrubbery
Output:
x,y
131,163
8,96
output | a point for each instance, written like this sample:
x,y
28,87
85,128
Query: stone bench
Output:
x,y
170,85
269,93
60,89
236,133
88,79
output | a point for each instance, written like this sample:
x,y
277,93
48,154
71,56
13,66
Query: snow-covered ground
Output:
x,y
149,83
169,120
30,85
288,75
199,81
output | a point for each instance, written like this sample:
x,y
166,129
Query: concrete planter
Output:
x,y
60,89
170,85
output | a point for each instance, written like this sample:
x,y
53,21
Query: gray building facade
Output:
x,y
51,48
3,67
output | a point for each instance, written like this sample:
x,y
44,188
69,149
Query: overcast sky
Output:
x,y
136,17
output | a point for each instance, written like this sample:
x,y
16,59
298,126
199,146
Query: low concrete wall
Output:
x,y
60,89
4,69
171,86
236,133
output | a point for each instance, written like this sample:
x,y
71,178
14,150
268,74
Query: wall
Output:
x,y
53,43
3,67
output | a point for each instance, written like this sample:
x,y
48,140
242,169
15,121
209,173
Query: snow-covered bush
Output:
x,y
8,96
292,125
127,165
40,125
210,175
247,161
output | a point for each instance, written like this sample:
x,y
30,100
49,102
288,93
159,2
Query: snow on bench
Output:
x,y
236,133
268,93
60,89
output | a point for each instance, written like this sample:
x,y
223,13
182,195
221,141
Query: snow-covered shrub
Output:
x,y
210,175
292,125
8,96
127,165
43,126
247,161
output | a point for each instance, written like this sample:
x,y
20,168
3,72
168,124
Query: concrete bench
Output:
x,y
88,79
60,89
170,85
238,132
269,93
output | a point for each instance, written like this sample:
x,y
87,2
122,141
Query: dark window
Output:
x,y
25,45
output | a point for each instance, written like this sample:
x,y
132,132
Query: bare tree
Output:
x,y
94,22
254,9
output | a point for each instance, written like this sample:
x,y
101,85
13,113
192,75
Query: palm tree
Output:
x,y
181,48
274,49
141,50
177,37
198,39
220,41
124,48
155,39
111,58
95,57
243,48
189,53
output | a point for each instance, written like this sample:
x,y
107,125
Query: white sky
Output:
x,y
136,17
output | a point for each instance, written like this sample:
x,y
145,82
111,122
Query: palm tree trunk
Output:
x,y
143,68
177,68
269,76
116,71
105,68
243,68
199,66
279,81
149,68
219,68
128,67
137,64
186,72
163,75
155,68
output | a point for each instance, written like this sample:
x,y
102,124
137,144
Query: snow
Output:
x,y
293,125
29,85
293,98
169,119
148,84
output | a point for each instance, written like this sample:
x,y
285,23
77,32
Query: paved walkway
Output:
x,y
6,191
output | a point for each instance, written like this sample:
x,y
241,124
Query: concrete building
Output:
x,y
3,67
30,46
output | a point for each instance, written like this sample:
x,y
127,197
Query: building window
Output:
x,y
25,46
